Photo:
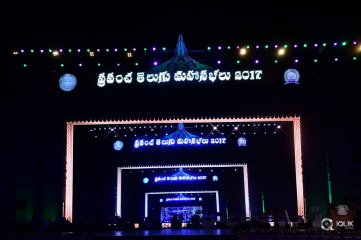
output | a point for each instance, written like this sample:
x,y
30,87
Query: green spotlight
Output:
x,y
329,187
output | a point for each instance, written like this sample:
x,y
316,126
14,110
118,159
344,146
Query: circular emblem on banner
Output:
x,y
291,76
118,145
242,142
145,180
67,82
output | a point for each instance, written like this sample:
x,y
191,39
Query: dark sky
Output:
x,y
104,22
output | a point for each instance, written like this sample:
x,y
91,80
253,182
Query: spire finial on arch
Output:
x,y
181,49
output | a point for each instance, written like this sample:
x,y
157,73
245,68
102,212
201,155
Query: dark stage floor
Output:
x,y
195,234
222,234
167,234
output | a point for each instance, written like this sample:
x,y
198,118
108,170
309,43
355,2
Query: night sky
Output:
x,y
66,22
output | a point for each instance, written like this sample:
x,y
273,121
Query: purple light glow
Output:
x,y
98,50
219,47
296,60
335,44
237,47
41,50
78,50
118,64
61,50
155,63
80,65
154,48
219,61
257,46
354,42
295,46
116,50
276,46
134,49
257,61
336,59
315,45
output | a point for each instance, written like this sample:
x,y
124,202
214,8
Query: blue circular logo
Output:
x,y
118,145
67,82
242,142
291,76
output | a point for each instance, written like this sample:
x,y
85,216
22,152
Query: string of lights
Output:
x,y
297,53
223,130
241,48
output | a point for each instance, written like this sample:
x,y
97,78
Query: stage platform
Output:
x,y
173,234
218,234
198,234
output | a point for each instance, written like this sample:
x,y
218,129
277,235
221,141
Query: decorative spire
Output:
x,y
181,127
180,173
181,61
180,133
181,49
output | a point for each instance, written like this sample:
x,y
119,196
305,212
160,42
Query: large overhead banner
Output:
x,y
180,68
179,76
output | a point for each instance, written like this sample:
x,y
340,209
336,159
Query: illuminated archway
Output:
x,y
245,184
68,201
